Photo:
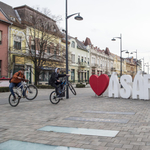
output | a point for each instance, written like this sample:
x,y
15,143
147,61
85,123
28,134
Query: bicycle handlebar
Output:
x,y
24,80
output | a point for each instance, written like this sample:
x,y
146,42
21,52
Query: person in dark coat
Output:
x,y
54,79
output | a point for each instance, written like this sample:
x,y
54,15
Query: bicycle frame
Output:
x,y
63,83
24,84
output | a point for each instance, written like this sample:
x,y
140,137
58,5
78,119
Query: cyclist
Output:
x,y
54,79
16,81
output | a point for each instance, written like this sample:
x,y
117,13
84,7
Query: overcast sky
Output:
x,y
103,20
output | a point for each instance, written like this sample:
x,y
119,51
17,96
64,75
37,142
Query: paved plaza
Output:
x,y
130,118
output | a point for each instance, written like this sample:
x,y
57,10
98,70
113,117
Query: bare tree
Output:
x,y
42,40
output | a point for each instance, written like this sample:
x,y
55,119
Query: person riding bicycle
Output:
x,y
16,81
54,79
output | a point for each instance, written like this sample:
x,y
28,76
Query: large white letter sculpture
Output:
x,y
114,88
139,90
126,81
138,86
146,93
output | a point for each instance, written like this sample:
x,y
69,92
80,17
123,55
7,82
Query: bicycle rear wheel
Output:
x,y
53,98
72,88
31,92
15,102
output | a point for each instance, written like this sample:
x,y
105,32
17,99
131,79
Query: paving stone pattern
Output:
x,y
21,122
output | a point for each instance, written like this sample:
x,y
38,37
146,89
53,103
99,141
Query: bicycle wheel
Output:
x,y
31,92
71,88
53,98
15,102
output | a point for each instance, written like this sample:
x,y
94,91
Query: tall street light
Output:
x,y
126,51
114,39
67,17
147,65
136,58
143,64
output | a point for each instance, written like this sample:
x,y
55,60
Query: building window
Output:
x,y
73,58
0,68
32,45
48,50
55,52
72,75
73,44
78,59
17,42
0,37
88,62
93,71
82,59
85,60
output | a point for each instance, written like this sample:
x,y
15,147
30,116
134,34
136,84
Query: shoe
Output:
x,y
14,99
23,97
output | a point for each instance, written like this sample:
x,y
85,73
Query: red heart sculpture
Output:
x,y
99,83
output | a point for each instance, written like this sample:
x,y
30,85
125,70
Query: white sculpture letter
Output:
x,y
114,86
138,86
147,87
126,81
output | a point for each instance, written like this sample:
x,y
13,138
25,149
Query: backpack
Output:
x,y
12,77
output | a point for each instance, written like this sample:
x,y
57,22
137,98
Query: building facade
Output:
x,y
79,61
101,61
4,42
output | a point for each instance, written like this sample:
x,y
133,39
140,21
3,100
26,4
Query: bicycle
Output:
x,y
54,98
30,91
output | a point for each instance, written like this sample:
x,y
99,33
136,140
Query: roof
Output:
x,y
26,6
80,44
9,11
3,17
87,42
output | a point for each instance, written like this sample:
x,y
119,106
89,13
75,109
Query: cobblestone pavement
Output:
x,y
21,122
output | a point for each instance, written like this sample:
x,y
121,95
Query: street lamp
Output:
x,y
143,64
67,17
136,58
114,39
148,67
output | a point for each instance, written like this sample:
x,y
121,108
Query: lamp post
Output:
x,y
126,51
136,58
67,17
147,67
143,64
114,39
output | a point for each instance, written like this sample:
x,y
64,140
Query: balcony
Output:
x,y
94,65
82,64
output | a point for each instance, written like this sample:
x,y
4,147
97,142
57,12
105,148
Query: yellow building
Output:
x,y
35,43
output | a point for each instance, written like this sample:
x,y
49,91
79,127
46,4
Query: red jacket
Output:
x,y
15,77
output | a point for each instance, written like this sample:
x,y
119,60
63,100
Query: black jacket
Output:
x,y
54,77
